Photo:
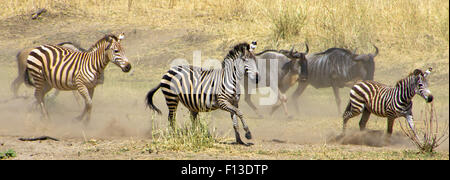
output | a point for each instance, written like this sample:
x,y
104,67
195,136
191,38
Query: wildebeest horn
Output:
x,y
354,51
292,50
376,51
307,48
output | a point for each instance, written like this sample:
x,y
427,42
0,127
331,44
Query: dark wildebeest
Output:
x,y
287,67
336,68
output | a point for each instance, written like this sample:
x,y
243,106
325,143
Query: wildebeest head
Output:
x,y
365,67
298,62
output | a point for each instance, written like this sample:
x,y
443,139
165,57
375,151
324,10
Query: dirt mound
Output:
x,y
375,138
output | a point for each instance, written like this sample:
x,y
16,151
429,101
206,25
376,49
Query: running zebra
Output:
x,y
368,97
53,66
204,90
21,58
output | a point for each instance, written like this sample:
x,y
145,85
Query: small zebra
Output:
x,y
21,58
53,66
368,97
204,90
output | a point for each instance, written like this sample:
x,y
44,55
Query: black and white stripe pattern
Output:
x,y
369,97
203,90
22,65
53,66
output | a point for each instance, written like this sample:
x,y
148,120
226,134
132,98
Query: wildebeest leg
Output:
x,y
282,99
364,118
16,84
300,88
248,99
337,98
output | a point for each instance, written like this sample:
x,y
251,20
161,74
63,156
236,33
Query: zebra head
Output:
x,y
422,84
115,53
249,62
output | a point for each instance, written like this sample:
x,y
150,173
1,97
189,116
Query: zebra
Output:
x,y
291,66
21,58
204,90
369,97
53,66
336,68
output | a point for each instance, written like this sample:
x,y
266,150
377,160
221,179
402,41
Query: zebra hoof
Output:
x,y
248,135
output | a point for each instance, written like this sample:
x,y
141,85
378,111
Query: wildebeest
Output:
x,y
290,68
336,68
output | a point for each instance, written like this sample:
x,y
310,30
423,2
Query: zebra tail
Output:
x,y
27,78
149,99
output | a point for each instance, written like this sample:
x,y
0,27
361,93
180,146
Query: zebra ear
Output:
x,y
121,36
252,46
427,72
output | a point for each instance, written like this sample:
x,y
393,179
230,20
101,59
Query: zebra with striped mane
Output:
x,y
204,90
53,66
21,58
369,97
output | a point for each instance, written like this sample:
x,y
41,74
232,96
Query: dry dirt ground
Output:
x,y
121,125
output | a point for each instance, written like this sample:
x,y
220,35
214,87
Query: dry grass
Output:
x,y
401,25
429,134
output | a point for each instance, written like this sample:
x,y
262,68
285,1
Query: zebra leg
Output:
x,y
337,98
234,111
390,126
194,120
350,112
77,97
87,95
172,113
364,118
39,93
52,96
236,129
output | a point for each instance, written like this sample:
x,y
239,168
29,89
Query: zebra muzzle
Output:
x,y
127,68
430,98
